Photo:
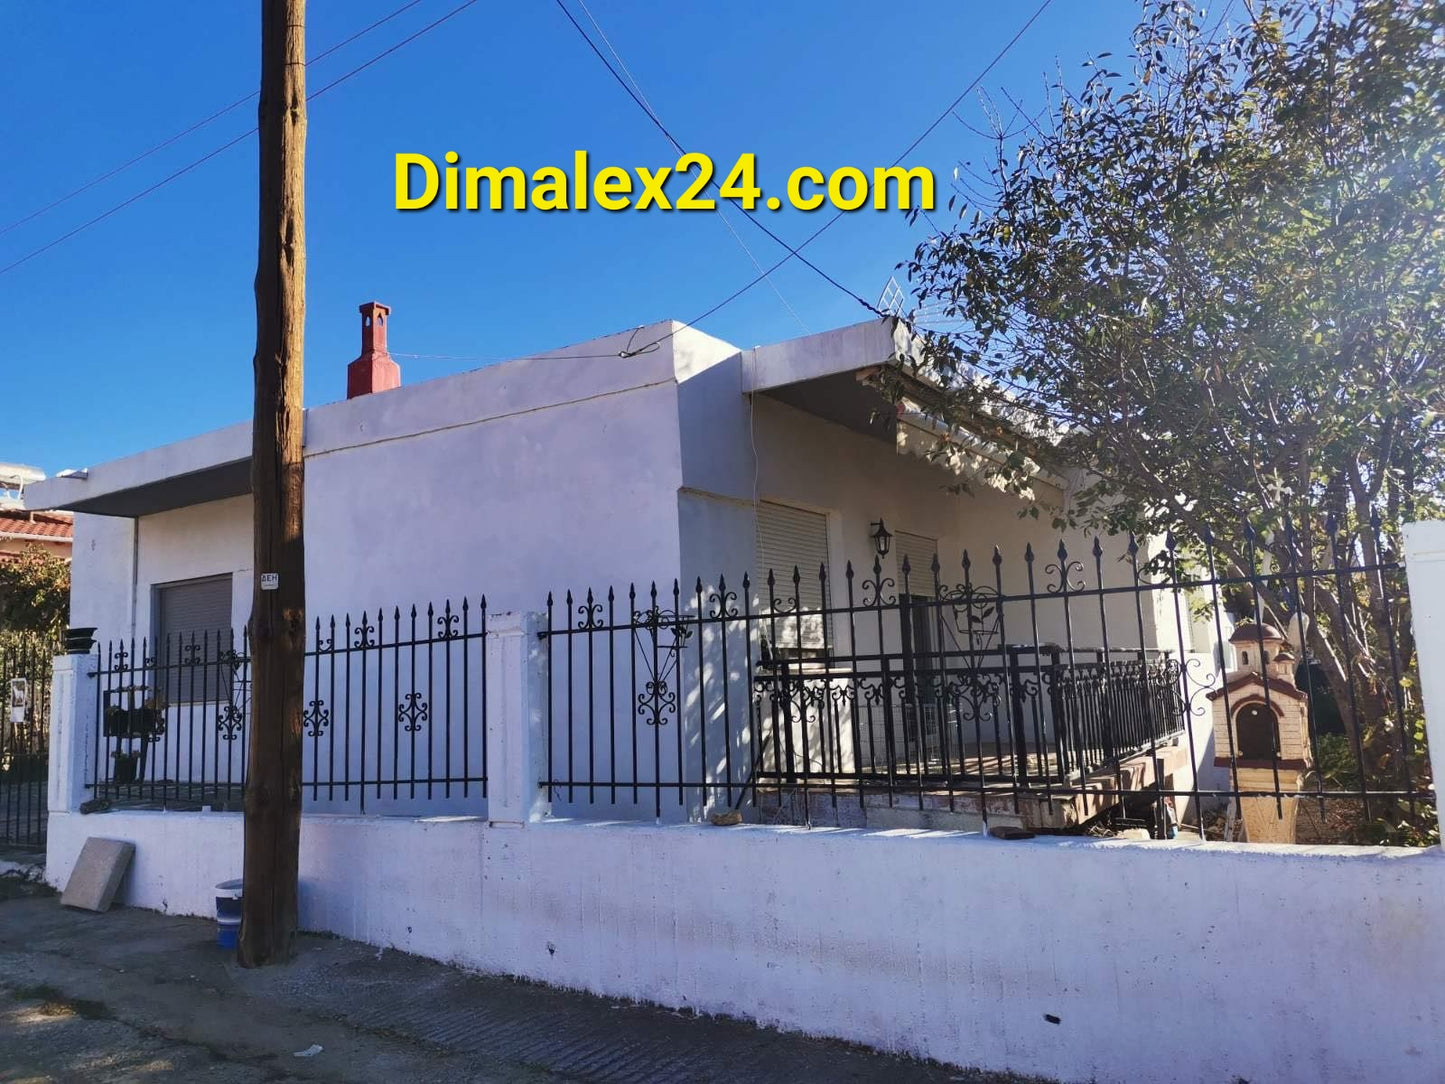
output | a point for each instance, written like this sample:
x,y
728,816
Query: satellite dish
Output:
x,y
18,475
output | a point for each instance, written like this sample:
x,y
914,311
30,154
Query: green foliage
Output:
x,y
1222,272
34,594
1388,823
1215,280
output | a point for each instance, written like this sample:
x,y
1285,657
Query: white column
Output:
x,y
73,722
1425,567
516,695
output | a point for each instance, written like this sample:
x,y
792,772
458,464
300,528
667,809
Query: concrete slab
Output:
x,y
97,874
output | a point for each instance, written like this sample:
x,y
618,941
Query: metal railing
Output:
x,y
1160,685
394,716
1103,684
25,665
955,717
897,690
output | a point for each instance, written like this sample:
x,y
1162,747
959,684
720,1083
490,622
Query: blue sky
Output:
x,y
140,330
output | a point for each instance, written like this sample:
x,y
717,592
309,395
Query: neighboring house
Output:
x,y
23,528
651,455
50,532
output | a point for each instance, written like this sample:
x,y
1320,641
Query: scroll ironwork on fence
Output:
x,y
394,715
1048,688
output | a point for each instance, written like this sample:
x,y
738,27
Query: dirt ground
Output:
x,y
135,996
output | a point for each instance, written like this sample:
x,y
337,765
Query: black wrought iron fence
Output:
x,y
25,665
1051,689
394,718
902,690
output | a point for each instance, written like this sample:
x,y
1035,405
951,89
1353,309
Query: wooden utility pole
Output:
x,y
278,609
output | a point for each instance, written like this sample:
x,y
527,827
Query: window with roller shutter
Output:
x,y
192,612
793,538
919,552
920,636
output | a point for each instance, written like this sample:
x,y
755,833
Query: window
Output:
x,y
793,538
919,553
192,622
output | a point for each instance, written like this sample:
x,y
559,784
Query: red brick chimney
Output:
x,y
374,370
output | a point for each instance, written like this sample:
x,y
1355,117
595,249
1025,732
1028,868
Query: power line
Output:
x,y
792,252
554,355
723,217
228,145
387,52
203,122
646,108
908,150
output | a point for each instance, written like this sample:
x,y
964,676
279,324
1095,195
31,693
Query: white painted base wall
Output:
x,y
1163,961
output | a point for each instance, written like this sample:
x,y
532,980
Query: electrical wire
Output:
x,y
723,217
646,108
227,145
820,230
557,355
681,151
197,126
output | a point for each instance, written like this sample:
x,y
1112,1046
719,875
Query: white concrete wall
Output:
x,y
585,469
513,480
1162,962
119,563
102,574
1425,566
809,462
812,463
190,543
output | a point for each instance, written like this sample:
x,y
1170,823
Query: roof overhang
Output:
x,y
210,467
216,483
827,374
856,376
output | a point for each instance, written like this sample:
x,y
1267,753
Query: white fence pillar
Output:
x,y
516,694
73,725
1425,568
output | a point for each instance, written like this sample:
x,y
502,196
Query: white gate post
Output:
x,y
73,722
516,695
1425,568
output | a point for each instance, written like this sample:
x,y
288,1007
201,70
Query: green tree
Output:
x,y
1213,277
34,594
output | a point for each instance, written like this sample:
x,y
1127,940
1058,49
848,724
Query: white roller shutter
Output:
x,y
920,552
793,538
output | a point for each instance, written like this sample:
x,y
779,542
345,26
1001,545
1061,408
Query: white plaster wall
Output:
x,y
210,539
513,480
102,574
579,494
546,474
813,463
1165,962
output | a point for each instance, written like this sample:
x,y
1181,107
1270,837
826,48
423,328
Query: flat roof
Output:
x,y
819,373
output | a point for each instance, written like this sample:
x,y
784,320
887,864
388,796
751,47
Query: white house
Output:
x,y
654,455
1013,689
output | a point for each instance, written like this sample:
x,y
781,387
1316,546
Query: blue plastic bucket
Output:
x,y
228,913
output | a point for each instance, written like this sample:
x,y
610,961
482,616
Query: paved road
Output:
x,y
133,996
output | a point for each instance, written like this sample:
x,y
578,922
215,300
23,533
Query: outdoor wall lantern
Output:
x,y
881,538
